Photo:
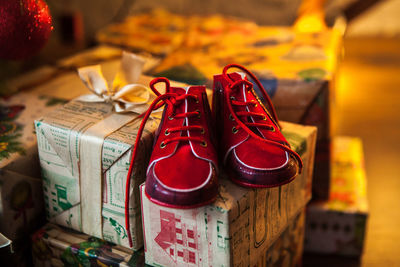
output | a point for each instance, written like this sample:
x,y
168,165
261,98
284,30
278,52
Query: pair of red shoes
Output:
x,y
183,168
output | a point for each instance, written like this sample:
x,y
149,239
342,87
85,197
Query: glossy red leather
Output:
x,y
183,173
258,156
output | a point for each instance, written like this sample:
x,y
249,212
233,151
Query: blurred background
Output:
x,y
366,95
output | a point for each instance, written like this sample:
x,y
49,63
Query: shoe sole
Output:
x,y
250,185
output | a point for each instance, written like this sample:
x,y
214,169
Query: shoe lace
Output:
x,y
173,100
249,122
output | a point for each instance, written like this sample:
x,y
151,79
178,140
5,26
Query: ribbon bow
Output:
x,y
124,93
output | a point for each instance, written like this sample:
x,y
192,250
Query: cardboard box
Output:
x,y
239,227
338,226
57,246
59,136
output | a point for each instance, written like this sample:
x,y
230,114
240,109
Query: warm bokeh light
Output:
x,y
311,17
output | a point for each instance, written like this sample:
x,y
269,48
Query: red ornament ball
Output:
x,y
25,27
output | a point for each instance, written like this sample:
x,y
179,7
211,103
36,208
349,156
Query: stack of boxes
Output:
x,y
24,99
240,227
243,226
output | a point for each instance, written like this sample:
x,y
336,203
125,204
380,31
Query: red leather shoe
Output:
x,y
253,150
182,172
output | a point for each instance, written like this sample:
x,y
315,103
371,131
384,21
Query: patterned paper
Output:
x,y
58,136
57,246
338,225
21,199
239,227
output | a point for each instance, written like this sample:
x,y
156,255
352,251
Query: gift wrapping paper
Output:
x,y
239,227
59,138
338,225
58,246
21,197
54,246
20,184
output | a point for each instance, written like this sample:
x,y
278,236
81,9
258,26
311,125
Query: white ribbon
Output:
x,y
123,93
125,96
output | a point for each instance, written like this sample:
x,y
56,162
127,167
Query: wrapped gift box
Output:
x,y
59,135
239,227
85,149
42,91
21,197
338,226
20,185
58,246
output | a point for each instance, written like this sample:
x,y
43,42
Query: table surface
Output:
x,y
368,106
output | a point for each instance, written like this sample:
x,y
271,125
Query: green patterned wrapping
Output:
x,y
57,246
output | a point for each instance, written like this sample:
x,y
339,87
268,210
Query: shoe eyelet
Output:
x,y
232,98
255,103
272,129
170,118
231,117
234,130
202,131
199,114
264,118
197,100
162,145
167,132
203,143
